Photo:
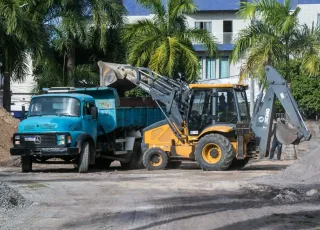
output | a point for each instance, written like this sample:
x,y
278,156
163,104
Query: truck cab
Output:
x,y
54,128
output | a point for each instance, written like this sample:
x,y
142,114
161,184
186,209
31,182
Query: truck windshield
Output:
x,y
243,104
59,106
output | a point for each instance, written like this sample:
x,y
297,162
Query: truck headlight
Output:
x,y
16,140
61,140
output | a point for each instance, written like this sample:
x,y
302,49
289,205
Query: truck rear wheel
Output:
x,y
135,161
214,153
84,158
155,159
26,163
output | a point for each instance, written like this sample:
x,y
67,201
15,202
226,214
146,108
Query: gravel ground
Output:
x,y
186,198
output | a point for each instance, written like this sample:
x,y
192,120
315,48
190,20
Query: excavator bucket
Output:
x,y
117,76
286,133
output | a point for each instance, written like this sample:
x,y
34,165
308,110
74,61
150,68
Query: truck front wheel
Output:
x,y
84,158
26,163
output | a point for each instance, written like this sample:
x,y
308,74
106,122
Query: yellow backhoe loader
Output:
x,y
207,123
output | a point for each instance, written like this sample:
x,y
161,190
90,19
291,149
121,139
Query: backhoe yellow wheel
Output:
x,y
155,159
211,153
214,152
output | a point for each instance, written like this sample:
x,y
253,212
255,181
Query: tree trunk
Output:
x,y
71,66
6,83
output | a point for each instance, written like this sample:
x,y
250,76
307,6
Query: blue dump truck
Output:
x,y
84,127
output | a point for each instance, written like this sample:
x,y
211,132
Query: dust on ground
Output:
x,y
185,198
8,126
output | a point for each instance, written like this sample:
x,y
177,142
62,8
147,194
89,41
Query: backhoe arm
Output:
x,y
171,93
264,114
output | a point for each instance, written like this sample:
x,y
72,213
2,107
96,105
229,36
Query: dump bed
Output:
x,y
137,113
114,113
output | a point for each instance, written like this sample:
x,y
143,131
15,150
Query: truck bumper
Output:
x,y
52,152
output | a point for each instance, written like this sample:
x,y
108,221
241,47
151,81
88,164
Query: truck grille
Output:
x,y
38,140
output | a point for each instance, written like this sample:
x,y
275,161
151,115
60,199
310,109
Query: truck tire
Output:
x,y
214,153
155,159
135,161
84,158
173,164
102,163
26,164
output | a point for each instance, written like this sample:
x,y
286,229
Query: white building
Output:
x,y
219,18
21,92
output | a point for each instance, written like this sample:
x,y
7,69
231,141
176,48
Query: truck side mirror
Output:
x,y
94,112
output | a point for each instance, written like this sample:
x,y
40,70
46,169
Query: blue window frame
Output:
x,y
210,68
224,67
201,67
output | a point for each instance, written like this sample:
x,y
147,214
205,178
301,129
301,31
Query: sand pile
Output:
x,y
307,169
8,125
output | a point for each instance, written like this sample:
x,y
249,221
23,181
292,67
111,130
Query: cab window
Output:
x,y
87,109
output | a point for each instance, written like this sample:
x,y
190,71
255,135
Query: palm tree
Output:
x,y
273,38
81,22
17,43
165,43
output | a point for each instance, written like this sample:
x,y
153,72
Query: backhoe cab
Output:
x,y
210,134
207,123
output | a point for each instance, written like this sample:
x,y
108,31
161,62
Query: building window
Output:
x,y
318,20
201,67
224,67
204,26
227,32
210,68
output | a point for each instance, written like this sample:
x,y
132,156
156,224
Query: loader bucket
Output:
x,y
286,133
116,76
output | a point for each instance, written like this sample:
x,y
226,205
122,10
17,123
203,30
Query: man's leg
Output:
x,y
279,150
273,148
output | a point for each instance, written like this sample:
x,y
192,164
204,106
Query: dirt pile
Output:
x,y
305,170
8,125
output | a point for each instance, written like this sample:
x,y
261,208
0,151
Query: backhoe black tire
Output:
x,y
135,161
84,158
26,164
155,159
102,163
214,153
173,164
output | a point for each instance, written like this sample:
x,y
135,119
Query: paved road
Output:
x,y
186,198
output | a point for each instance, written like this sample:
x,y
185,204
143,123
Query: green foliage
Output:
x,y
79,33
273,38
305,89
136,92
164,43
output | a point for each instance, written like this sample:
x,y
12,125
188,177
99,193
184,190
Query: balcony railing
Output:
x,y
224,37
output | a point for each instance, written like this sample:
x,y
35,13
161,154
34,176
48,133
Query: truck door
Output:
x,y
88,123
